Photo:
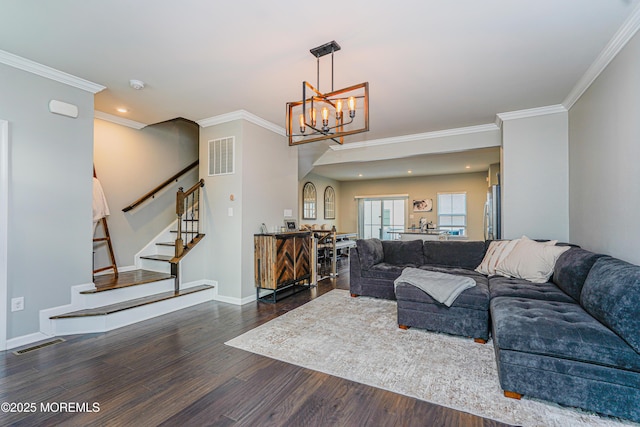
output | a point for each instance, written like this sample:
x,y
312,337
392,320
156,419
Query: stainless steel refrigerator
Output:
x,y
492,214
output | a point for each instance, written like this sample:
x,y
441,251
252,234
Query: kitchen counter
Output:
x,y
431,234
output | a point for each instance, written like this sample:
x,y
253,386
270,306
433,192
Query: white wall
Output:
x,y
425,187
50,193
264,184
221,248
535,179
129,163
269,186
4,228
604,150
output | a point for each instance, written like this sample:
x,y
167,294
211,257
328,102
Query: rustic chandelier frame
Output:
x,y
332,105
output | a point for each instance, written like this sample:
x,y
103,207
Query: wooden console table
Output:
x,y
282,261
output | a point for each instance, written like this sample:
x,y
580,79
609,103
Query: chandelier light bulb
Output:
x,y
312,117
325,119
352,106
338,109
325,114
302,125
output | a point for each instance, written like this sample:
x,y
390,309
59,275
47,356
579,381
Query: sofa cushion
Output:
x,y
453,253
571,270
399,252
611,294
370,252
500,286
456,270
475,298
384,270
531,260
558,329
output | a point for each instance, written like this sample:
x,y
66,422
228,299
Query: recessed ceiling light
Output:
x,y
359,174
409,171
122,110
467,167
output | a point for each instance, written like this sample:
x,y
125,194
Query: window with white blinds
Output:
x,y
452,213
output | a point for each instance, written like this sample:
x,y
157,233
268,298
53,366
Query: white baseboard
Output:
x,y
230,300
238,301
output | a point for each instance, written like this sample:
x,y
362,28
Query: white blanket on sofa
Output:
x,y
442,287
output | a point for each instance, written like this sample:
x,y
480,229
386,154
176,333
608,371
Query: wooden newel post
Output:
x,y
179,212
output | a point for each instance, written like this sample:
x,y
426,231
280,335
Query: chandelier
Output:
x,y
342,112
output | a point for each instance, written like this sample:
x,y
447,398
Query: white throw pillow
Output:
x,y
531,260
496,253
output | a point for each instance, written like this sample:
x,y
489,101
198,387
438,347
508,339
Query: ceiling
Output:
x,y
431,65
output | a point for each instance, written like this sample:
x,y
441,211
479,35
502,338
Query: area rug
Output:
x,y
359,339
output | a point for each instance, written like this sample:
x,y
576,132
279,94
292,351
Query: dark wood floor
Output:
x,y
175,370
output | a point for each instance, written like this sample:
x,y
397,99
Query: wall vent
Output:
x,y
222,156
38,347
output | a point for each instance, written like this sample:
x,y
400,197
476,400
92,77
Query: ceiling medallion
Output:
x,y
334,106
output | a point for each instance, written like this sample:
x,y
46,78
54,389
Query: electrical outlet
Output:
x,y
17,304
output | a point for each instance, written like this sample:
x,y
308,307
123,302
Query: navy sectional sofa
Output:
x,y
574,340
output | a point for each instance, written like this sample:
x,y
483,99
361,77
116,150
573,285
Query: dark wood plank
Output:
x,y
165,258
138,302
107,282
176,370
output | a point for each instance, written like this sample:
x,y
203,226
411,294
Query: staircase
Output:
x,y
132,297
123,298
160,254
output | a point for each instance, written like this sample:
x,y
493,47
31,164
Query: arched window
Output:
x,y
309,201
329,203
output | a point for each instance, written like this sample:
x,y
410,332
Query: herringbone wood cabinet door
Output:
x,y
285,259
302,251
282,259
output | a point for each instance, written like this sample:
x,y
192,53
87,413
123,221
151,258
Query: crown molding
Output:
x,y
241,115
531,112
118,120
611,50
417,137
48,72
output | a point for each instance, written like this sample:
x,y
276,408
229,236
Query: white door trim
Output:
x,y
4,229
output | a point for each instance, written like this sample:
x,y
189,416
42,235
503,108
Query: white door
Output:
x,y
381,218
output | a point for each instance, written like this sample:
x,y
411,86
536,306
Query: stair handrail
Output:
x,y
153,192
181,197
